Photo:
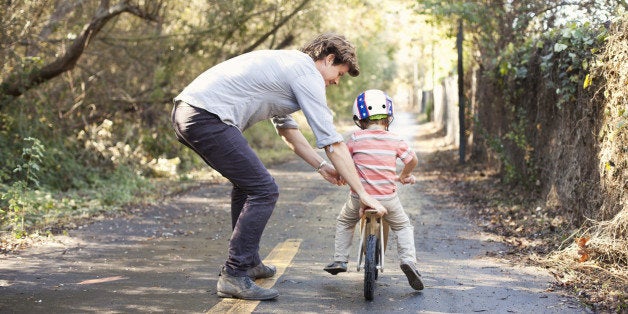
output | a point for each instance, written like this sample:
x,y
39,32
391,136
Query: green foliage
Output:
x,y
27,173
121,187
17,208
27,210
105,122
556,62
268,145
568,54
510,174
32,155
526,173
561,59
78,174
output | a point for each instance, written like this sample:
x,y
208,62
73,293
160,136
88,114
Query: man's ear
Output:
x,y
330,58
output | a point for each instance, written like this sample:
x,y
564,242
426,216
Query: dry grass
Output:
x,y
613,134
609,240
595,264
593,260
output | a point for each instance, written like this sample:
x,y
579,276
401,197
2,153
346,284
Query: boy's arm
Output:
x,y
406,176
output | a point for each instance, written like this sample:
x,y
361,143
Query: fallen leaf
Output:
x,y
582,242
583,251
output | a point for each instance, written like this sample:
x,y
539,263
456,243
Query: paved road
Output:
x,y
165,258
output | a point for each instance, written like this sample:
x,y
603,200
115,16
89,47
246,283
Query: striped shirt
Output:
x,y
375,154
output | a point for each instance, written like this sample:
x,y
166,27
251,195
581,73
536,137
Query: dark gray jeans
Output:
x,y
254,193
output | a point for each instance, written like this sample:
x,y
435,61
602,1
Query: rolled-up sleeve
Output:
x,y
404,152
310,93
284,122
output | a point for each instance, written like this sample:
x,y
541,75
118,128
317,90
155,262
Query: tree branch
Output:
x,y
274,29
18,83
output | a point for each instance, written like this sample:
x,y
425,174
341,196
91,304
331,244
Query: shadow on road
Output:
x,y
165,257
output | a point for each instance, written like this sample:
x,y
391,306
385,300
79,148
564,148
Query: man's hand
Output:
x,y
371,203
330,174
297,142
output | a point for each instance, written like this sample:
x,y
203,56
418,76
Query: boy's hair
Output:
x,y
364,123
330,43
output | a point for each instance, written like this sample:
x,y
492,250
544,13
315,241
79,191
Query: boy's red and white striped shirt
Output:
x,y
375,154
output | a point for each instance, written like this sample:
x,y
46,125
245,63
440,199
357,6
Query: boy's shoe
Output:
x,y
242,288
336,267
261,271
414,278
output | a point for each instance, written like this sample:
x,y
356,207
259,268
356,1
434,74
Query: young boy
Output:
x,y
375,151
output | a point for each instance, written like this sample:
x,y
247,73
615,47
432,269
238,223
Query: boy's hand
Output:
x,y
410,179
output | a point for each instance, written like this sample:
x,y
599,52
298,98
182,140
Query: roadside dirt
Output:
x,y
165,257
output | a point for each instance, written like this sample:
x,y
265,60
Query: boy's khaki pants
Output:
x,y
397,220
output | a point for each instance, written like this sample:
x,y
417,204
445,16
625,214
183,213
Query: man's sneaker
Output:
x,y
414,278
261,271
242,288
336,267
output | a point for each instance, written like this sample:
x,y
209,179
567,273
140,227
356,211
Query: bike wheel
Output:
x,y
370,267
378,258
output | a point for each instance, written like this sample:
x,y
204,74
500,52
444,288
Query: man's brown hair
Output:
x,y
330,43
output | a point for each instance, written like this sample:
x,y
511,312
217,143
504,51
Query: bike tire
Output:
x,y
370,267
378,258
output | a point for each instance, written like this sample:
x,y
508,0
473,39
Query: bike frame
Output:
x,y
372,225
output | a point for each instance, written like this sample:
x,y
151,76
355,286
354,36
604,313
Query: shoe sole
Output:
x,y
413,278
335,271
233,296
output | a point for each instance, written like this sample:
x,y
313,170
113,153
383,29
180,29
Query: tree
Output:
x,y
67,66
25,78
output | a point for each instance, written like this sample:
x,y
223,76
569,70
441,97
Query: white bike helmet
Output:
x,y
373,104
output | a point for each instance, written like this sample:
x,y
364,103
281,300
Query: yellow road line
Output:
x,y
281,256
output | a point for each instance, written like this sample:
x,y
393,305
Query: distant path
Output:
x,y
165,258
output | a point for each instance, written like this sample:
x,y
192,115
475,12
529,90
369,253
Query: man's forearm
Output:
x,y
299,144
338,154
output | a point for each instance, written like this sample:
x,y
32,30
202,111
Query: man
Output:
x,y
211,113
